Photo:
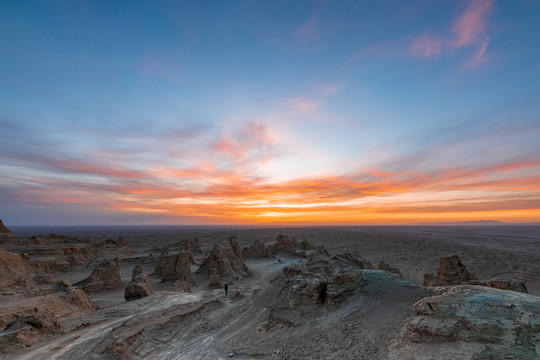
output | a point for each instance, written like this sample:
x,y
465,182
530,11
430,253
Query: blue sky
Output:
x,y
269,112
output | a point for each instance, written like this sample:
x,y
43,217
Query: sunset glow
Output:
x,y
269,112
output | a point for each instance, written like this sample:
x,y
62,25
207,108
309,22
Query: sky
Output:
x,y
269,112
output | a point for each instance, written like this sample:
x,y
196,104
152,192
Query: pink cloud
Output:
x,y
329,89
252,140
426,47
302,105
470,27
308,29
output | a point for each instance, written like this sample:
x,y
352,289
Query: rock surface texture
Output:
x,y
514,285
14,270
507,322
139,287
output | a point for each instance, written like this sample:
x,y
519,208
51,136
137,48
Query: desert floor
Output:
x,y
250,323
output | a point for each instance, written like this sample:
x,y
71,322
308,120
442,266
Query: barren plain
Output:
x,y
309,293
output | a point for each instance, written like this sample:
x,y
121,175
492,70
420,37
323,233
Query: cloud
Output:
x,y
250,140
302,105
330,89
215,174
470,27
427,47
308,30
469,30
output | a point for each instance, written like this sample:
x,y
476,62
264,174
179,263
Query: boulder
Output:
x,y
139,287
507,322
452,271
5,232
174,267
104,277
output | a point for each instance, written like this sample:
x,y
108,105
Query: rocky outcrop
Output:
x,y
50,265
305,245
139,287
56,252
225,261
14,270
5,232
386,267
174,267
507,322
514,285
119,243
451,271
352,259
257,250
191,246
104,277
431,280
31,317
283,244
331,280
306,289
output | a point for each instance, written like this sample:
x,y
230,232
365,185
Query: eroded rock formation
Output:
x,y
191,246
225,260
104,277
5,232
451,271
139,287
174,267
283,244
257,250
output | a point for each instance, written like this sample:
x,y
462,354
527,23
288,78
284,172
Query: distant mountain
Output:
x,y
463,223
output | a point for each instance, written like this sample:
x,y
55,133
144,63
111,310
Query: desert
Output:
x,y
373,292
